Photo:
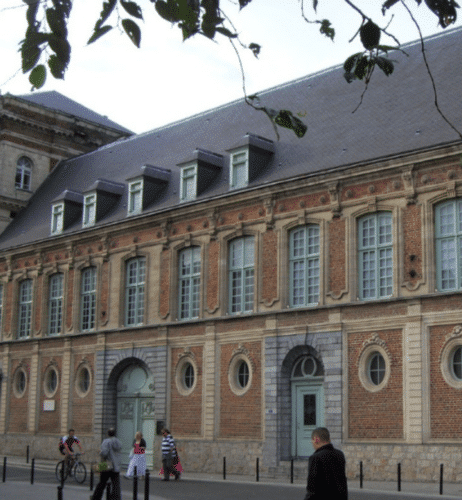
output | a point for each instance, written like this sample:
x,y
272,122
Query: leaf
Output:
x,y
370,35
226,32
38,76
361,68
350,63
286,119
108,7
133,31
132,8
385,65
168,11
445,10
57,66
255,48
326,29
388,4
56,22
61,48
315,5
30,49
243,3
98,33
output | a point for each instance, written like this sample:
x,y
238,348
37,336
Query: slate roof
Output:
x,y
56,101
397,116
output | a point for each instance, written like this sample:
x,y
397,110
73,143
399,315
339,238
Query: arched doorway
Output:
x,y
307,403
135,410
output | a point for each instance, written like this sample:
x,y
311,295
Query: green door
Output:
x,y
135,411
307,414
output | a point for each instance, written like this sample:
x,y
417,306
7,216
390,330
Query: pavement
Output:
x,y
23,490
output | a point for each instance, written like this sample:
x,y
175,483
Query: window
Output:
x,y
188,376
134,291
243,374
188,183
241,275
89,210
135,197
375,243
88,299
50,384
83,381
306,367
456,363
23,173
448,218
57,218
240,373
304,266
55,304
19,383
376,368
25,309
239,175
190,280
185,374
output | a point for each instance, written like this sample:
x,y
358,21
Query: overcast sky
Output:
x,y
168,79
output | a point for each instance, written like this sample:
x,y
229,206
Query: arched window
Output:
x,y
189,282
134,291
304,266
448,231
23,173
375,246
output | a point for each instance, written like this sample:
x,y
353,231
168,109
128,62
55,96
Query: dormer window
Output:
x,y
135,197
239,175
146,188
66,209
57,218
198,173
248,160
89,210
188,183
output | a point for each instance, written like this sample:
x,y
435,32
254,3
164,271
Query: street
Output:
x,y
187,489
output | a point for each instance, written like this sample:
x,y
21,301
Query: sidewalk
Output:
x,y
39,491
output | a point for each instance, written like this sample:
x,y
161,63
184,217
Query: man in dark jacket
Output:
x,y
326,469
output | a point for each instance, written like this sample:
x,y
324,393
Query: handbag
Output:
x,y
103,466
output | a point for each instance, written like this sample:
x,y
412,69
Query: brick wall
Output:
x,y
81,416
50,421
19,406
337,256
269,267
412,233
375,415
213,275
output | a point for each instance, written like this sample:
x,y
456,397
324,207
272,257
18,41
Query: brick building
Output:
x,y
36,132
242,289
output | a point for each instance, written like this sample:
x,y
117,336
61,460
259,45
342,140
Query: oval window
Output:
x,y
377,368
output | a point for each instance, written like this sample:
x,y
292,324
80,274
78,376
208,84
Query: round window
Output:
x,y
243,374
83,381
188,376
19,384
376,368
51,382
307,366
456,363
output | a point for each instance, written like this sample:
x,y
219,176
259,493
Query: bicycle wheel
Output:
x,y
60,466
80,472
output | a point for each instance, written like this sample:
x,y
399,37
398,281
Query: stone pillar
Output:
x,y
412,374
211,375
65,386
6,387
34,388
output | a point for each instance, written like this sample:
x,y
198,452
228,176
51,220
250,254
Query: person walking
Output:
x,y
326,469
168,454
138,459
110,452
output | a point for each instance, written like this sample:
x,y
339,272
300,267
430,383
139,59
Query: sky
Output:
x,y
167,79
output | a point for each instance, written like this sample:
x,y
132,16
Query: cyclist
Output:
x,y
67,448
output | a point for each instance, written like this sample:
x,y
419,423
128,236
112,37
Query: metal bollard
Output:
x,y
224,467
399,477
27,454
361,475
258,469
92,477
4,470
441,479
62,473
292,471
146,486
32,471
135,484
60,493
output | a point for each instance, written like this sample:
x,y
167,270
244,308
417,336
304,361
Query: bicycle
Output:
x,y
77,469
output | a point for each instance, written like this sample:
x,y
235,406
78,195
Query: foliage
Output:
x,y
46,47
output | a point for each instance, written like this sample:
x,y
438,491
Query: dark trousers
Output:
x,y
167,463
103,479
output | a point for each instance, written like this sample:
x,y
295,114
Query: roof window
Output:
x,y
100,199
66,209
198,173
146,188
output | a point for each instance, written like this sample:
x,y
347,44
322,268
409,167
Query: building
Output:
x,y
36,132
242,290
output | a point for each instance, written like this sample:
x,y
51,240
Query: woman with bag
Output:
x,y
109,467
138,458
